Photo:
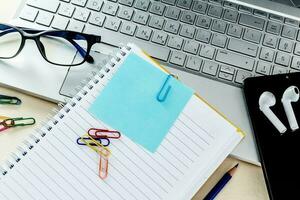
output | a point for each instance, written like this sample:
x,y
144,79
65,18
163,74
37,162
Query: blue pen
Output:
x,y
222,182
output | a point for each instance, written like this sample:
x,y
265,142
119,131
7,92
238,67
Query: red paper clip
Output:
x,y
103,133
2,124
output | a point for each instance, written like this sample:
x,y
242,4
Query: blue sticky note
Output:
x,y
128,102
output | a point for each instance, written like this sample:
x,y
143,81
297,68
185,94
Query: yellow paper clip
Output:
x,y
102,150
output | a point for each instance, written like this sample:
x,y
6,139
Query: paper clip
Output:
x,y
102,150
104,133
2,127
20,121
9,100
103,167
80,141
162,97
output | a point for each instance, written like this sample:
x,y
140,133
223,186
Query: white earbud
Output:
x,y
267,100
291,94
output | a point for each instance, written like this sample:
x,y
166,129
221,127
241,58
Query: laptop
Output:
x,y
211,45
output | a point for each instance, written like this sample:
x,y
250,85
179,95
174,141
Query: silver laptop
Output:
x,y
211,45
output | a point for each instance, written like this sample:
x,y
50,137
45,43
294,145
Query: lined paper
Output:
x,y
58,168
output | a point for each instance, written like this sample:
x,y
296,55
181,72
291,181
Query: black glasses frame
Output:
x,y
35,35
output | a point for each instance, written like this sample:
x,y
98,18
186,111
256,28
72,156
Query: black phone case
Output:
x,y
279,154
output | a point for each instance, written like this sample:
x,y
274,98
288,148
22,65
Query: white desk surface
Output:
x,y
247,183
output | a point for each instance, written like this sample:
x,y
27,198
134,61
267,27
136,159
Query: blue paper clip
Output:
x,y
160,96
101,140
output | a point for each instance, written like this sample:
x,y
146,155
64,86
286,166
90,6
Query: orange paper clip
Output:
x,y
103,167
103,133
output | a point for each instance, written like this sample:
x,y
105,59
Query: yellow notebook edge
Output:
x,y
238,129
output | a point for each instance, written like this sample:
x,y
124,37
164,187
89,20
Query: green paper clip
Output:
x,y
20,121
9,100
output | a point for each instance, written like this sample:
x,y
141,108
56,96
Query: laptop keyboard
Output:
x,y
216,39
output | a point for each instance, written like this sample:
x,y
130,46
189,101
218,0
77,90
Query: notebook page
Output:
x,y
63,170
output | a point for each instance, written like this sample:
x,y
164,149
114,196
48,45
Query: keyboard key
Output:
x,y
276,17
29,14
186,4
225,76
97,19
76,26
160,37
82,14
241,46
187,31
230,5
177,58
245,9
289,32
297,49
171,2
210,68
260,13
203,22
286,45
79,2
279,70
291,22
296,63
215,11
125,13
142,4
141,17
188,17
227,69
60,22
203,35
143,33
95,4
66,10
263,68
252,21
157,8
128,28
230,15
235,30
270,41
252,35
219,40
194,63
267,54
234,59
172,26
110,8
44,18
199,7
241,76
112,23
156,22
219,26
283,59
219,2
172,13
126,2
48,5
273,28
191,47
207,51
175,42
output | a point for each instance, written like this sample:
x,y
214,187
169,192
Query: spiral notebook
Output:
x,y
50,165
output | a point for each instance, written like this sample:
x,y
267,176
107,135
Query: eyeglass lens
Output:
x,y
10,41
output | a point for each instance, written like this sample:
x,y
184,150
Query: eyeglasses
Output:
x,y
54,45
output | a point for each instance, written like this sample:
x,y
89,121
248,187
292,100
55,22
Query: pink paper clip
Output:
x,y
103,167
104,133
2,124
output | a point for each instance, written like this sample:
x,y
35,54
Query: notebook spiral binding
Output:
x,y
56,114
